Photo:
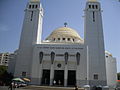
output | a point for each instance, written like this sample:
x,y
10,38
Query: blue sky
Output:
x,y
56,13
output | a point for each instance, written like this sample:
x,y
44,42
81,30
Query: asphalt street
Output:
x,y
37,88
6,88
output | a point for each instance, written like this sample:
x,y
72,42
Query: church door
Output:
x,y
46,77
71,77
59,77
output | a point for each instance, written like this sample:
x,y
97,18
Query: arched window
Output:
x,y
93,6
41,57
36,6
68,39
89,6
32,6
63,38
73,39
53,39
93,16
96,6
58,38
78,58
52,57
31,16
66,55
29,6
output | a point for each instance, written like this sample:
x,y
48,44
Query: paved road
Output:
x,y
41,88
6,88
38,88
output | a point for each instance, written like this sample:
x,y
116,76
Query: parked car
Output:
x,y
17,84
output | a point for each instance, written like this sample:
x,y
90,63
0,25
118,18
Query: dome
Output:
x,y
65,35
34,0
92,0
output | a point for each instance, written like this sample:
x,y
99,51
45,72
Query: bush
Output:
x,y
5,77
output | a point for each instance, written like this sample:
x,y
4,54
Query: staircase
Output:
x,y
50,88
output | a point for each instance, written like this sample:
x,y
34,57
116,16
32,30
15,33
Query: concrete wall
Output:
x,y
111,70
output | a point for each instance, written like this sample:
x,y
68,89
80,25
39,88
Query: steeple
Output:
x,y
31,35
35,10
94,39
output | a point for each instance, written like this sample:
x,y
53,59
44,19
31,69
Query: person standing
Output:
x,y
59,82
54,82
10,86
76,88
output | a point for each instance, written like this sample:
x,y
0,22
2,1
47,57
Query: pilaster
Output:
x,y
65,75
40,74
51,74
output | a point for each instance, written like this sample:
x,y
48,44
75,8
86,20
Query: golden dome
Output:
x,y
34,0
65,34
92,0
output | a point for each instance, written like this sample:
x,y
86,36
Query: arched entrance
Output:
x,y
71,77
46,77
59,77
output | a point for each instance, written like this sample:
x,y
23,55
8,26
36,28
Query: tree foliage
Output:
x,y
3,69
5,77
118,76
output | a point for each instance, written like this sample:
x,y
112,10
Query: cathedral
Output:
x,y
63,58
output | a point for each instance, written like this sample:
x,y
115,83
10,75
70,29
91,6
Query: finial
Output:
x,y
65,24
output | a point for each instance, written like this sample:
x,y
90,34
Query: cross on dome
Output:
x,y
65,24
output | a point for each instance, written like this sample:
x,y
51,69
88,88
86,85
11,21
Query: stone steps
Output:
x,y
50,88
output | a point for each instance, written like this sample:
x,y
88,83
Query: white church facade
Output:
x,y
64,56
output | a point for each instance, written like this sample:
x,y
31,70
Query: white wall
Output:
x,y
111,70
31,31
60,49
94,39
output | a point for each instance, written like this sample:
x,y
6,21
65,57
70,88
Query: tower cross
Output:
x,y
65,24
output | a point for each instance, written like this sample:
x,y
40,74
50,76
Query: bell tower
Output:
x,y
93,38
31,35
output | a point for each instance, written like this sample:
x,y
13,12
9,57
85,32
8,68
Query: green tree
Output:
x,y
118,76
3,69
5,77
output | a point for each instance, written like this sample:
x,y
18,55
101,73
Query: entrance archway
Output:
x,y
59,77
71,77
46,77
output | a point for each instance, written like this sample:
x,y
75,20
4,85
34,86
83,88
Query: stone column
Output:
x,y
40,74
77,75
65,75
51,74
